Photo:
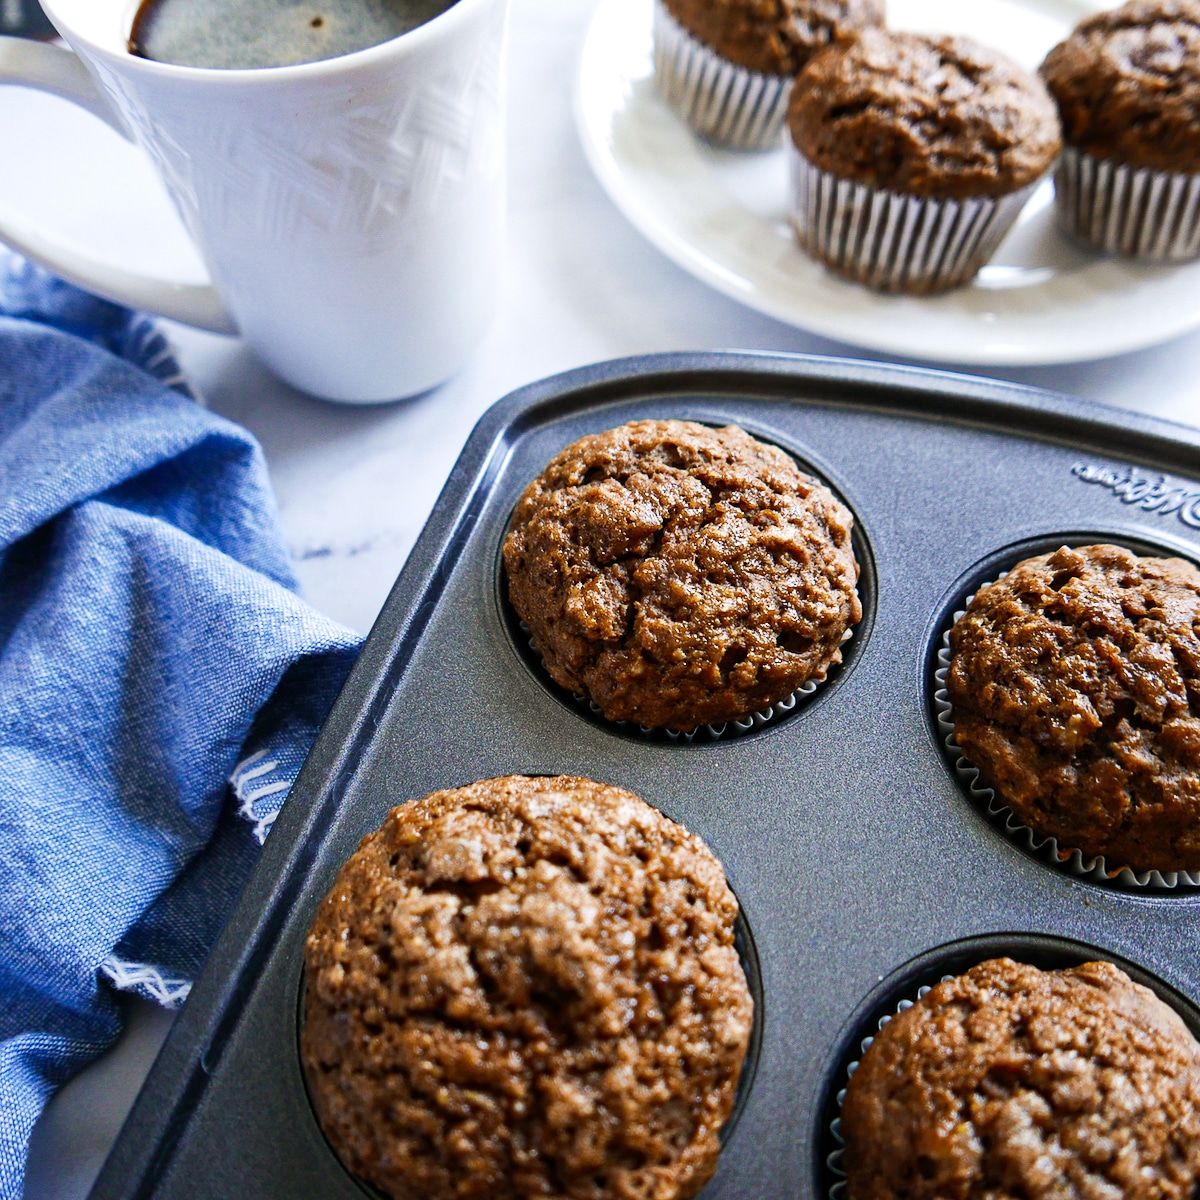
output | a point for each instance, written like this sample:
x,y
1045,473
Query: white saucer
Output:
x,y
721,216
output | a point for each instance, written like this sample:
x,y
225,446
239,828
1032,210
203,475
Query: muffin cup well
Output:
x,y
725,731
1047,849
729,105
901,990
1140,213
833,1160
892,242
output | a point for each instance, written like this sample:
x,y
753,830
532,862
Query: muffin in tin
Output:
x,y
679,575
1127,84
1072,681
527,987
727,65
912,157
1009,1081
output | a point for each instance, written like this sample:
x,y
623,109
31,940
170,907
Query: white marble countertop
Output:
x,y
356,484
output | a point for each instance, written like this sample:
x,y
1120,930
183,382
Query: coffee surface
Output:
x,y
270,33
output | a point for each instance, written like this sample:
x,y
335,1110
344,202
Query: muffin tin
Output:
x,y
861,865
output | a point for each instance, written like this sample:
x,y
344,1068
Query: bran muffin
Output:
x,y
938,118
952,132
774,37
1127,84
527,987
727,65
1011,1083
681,576
1072,681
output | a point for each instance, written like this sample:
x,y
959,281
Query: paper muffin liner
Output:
x,y
892,242
729,105
1149,215
703,733
833,1160
1047,849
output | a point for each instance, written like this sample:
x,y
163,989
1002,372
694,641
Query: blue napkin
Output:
x,y
160,680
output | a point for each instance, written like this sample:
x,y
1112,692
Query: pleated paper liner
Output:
x,y
893,242
833,1161
725,103
1046,849
1153,216
705,733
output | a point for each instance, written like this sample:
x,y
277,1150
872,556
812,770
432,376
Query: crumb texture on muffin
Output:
x,y
680,575
773,37
1127,84
930,117
1072,681
527,987
1011,1083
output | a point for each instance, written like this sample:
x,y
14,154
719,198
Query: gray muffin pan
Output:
x,y
862,867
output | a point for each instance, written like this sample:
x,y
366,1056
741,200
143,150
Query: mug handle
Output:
x,y
59,72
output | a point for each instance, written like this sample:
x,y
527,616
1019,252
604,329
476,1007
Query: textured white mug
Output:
x,y
350,212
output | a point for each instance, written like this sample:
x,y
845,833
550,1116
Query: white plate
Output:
x,y
722,216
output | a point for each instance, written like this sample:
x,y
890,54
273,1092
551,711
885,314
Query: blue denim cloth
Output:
x,y
160,680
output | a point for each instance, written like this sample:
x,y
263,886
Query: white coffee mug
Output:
x,y
350,212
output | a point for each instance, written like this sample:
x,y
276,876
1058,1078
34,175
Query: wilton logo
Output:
x,y
1155,494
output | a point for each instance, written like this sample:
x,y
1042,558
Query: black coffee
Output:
x,y
270,33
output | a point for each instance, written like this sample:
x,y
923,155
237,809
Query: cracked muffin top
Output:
x,y
1127,84
680,575
527,987
1011,1083
939,118
1072,681
773,37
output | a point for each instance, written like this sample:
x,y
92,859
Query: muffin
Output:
x,y
1127,83
1072,681
526,987
681,576
912,157
1012,1082
726,66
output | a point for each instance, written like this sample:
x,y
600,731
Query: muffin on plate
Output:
x,y
1127,83
679,575
1013,1082
526,987
726,66
912,157
1073,680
